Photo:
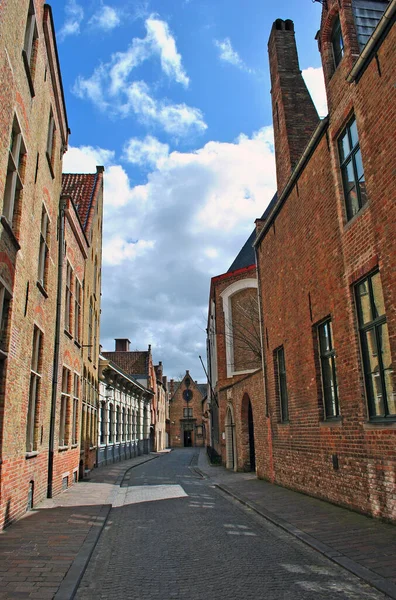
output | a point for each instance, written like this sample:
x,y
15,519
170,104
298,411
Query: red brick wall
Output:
x,y
18,268
176,407
309,260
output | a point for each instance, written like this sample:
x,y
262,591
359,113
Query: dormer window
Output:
x,y
337,43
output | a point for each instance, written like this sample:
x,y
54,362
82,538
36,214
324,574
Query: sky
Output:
x,y
173,98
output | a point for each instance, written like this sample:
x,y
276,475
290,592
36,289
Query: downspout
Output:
x,y
61,238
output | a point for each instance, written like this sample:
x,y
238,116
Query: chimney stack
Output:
x,y
294,114
122,344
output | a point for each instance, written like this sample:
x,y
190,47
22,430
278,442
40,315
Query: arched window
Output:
x,y
111,424
102,422
337,43
118,423
123,425
129,424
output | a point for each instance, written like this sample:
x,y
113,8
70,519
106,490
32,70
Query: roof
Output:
x,y
81,187
367,14
203,389
246,256
133,363
118,369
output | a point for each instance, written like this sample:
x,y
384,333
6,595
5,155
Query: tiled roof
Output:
x,y
367,15
81,188
245,257
133,363
203,388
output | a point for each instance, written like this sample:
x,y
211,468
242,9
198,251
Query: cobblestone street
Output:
x,y
172,534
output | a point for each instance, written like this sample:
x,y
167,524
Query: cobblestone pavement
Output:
x,y
173,535
364,545
45,552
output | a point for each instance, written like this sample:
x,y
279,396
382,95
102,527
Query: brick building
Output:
x,y
186,412
86,191
234,361
162,410
34,134
325,254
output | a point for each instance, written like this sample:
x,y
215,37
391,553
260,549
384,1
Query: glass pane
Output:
x,y
329,387
354,133
353,205
377,396
365,315
359,165
324,336
385,346
371,351
378,297
344,146
390,391
349,177
363,191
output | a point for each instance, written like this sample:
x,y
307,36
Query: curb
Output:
x,y
376,581
69,585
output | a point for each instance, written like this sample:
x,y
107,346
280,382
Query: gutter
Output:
x,y
368,50
317,135
61,239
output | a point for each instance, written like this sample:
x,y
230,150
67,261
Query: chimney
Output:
x,y
122,344
294,115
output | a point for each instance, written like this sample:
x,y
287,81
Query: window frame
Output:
x,y
64,434
77,310
51,142
325,355
281,381
337,43
34,391
15,175
350,159
44,248
374,325
29,52
76,396
5,307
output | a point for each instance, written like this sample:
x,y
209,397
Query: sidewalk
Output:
x,y
364,546
44,555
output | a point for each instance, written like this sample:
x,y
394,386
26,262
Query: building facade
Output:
x,y
86,191
325,256
124,415
162,409
185,413
34,134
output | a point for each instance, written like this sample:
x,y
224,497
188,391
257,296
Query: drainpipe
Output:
x,y
61,238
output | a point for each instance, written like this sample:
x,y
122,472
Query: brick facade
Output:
x,y
31,104
185,413
311,254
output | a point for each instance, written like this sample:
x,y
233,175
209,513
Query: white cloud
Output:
x,y
164,239
106,18
315,83
229,55
175,119
112,90
86,158
160,38
148,151
74,16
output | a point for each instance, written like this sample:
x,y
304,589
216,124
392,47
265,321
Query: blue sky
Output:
x,y
173,97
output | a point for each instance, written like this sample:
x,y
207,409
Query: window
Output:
x,y
111,424
374,337
34,392
29,51
15,174
64,408
77,311
75,408
128,432
337,43
90,326
123,425
352,169
328,369
282,387
43,254
118,423
51,142
68,297
95,338
5,300
102,422
187,412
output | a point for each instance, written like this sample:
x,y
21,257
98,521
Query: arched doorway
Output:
x,y
247,445
230,439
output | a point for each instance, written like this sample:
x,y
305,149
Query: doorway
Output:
x,y
188,439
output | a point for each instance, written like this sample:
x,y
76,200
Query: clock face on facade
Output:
x,y
187,395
